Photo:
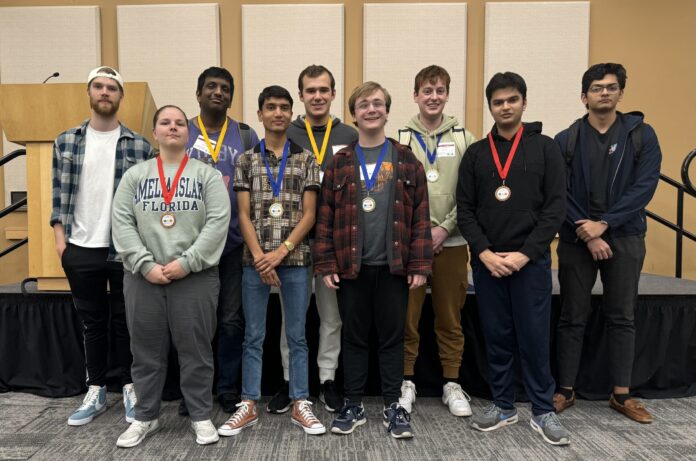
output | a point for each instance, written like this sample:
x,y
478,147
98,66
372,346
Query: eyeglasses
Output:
x,y
611,89
378,104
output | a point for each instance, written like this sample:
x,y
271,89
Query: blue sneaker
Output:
x,y
398,421
129,400
494,417
93,404
550,428
349,417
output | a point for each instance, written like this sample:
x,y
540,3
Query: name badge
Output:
x,y
446,149
200,144
338,147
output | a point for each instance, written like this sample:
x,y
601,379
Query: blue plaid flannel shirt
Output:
x,y
68,156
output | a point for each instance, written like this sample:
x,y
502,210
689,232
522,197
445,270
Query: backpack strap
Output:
x,y
459,135
569,150
405,137
245,135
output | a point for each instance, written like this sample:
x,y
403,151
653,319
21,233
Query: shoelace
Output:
x,y
491,410
349,409
458,393
398,414
550,420
239,414
305,409
408,387
90,399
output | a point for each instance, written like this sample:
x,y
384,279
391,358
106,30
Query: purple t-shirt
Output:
x,y
231,148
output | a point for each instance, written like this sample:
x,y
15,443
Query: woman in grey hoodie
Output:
x,y
170,218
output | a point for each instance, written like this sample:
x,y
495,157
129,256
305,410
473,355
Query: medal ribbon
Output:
x,y
431,155
370,181
275,183
213,152
319,154
168,193
515,144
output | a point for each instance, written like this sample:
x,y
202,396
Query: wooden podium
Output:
x,y
34,115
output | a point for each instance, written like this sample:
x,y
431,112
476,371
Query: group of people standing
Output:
x,y
199,232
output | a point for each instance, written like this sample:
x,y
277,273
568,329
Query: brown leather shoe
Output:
x,y
633,409
560,403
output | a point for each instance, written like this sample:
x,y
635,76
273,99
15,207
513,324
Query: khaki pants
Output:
x,y
449,282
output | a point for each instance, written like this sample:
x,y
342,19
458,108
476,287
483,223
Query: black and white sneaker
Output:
x,y
280,403
330,396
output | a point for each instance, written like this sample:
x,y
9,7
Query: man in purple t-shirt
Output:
x,y
216,139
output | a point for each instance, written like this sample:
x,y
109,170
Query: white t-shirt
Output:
x,y
92,215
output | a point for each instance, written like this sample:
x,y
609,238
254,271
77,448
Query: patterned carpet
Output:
x,y
35,428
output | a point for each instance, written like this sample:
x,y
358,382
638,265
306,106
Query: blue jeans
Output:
x,y
255,294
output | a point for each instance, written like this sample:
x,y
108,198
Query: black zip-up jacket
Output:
x,y
631,184
528,221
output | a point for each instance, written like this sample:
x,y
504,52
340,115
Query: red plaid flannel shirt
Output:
x,y
336,247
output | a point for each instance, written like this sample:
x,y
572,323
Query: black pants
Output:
x,y
230,323
515,314
88,272
577,273
380,298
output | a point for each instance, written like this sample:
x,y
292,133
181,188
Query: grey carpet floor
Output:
x,y
35,428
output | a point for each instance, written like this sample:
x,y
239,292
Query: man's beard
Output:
x,y
104,111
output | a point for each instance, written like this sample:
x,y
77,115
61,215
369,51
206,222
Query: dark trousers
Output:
x,y
88,272
577,273
230,329
380,298
515,313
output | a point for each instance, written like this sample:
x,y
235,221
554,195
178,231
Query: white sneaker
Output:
x,y
205,432
456,399
136,432
408,395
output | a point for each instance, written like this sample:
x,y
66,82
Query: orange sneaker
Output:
x,y
245,416
303,416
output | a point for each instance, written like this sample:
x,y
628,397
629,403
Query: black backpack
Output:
x,y
245,134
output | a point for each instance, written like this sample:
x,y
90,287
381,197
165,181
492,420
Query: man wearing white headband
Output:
x,y
88,163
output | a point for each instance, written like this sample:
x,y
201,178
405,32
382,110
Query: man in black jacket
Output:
x,y
510,203
613,169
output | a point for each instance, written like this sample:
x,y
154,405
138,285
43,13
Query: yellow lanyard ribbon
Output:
x,y
317,153
213,152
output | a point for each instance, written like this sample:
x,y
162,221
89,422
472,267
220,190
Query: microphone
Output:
x,y
54,74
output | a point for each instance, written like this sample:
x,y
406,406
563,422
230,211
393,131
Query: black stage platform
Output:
x,y
41,346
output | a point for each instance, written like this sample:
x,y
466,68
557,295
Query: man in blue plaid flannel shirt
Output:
x,y
88,163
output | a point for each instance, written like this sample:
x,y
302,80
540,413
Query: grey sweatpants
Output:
x,y
184,312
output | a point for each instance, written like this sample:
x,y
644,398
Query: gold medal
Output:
x,y
275,210
502,193
369,204
168,220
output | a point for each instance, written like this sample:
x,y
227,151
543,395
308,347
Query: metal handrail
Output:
x,y
12,155
678,227
7,210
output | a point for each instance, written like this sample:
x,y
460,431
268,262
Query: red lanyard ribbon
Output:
x,y
503,172
168,193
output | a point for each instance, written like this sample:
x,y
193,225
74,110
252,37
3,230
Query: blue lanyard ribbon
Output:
x,y
275,183
370,180
431,155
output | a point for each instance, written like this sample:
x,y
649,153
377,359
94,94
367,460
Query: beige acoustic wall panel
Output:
x,y
278,41
35,42
168,46
402,38
547,43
